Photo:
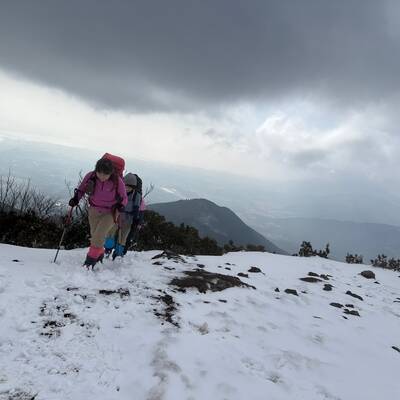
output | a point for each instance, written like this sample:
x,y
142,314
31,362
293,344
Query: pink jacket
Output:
x,y
106,194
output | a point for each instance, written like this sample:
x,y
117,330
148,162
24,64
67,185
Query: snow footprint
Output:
x,y
258,369
163,367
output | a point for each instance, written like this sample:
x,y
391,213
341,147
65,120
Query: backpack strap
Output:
x,y
87,186
118,197
135,199
91,184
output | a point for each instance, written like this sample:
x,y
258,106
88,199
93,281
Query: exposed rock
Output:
x,y
51,328
354,295
167,299
277,290
310,279
396,348
121,291
170,255
291,291
254,269
349,305
201,265
158,263
351,312
17,394
222,300
205,281
69,315
228,268
368,274
323,276
168,312
337,305
243,275
328,287
53,324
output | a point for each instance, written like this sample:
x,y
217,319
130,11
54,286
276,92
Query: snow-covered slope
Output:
x,y
64,334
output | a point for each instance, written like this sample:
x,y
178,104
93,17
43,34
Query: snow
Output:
x,y
169,190
61,339
174,192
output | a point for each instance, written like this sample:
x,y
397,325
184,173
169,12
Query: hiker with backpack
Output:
x,y
136,226
107,198
117,237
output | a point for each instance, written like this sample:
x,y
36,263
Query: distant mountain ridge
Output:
x,y
219,223
367,239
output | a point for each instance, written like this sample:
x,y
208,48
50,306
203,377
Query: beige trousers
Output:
x,y
122,233
100,224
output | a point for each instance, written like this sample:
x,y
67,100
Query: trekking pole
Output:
x,y
66,223
116,241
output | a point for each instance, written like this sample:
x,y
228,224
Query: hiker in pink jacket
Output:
x,y
107,197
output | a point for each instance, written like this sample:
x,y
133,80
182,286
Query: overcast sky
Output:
x,y
284,89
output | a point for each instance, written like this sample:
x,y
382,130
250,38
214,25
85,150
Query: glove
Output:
x,y
73,202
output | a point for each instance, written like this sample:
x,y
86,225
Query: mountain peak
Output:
x,y
217,222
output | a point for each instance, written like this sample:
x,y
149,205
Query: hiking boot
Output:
x,y
90,262
94,255
109,245
118,251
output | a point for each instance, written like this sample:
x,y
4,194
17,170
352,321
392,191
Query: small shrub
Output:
x,y
381,261
354,259
306,250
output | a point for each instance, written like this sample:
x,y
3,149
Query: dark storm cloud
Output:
x,y
179,55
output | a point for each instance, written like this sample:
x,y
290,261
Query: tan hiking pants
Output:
x,y
122,233
100,224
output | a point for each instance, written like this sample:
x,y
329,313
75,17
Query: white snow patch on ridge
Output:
x,y
61,338
169,190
